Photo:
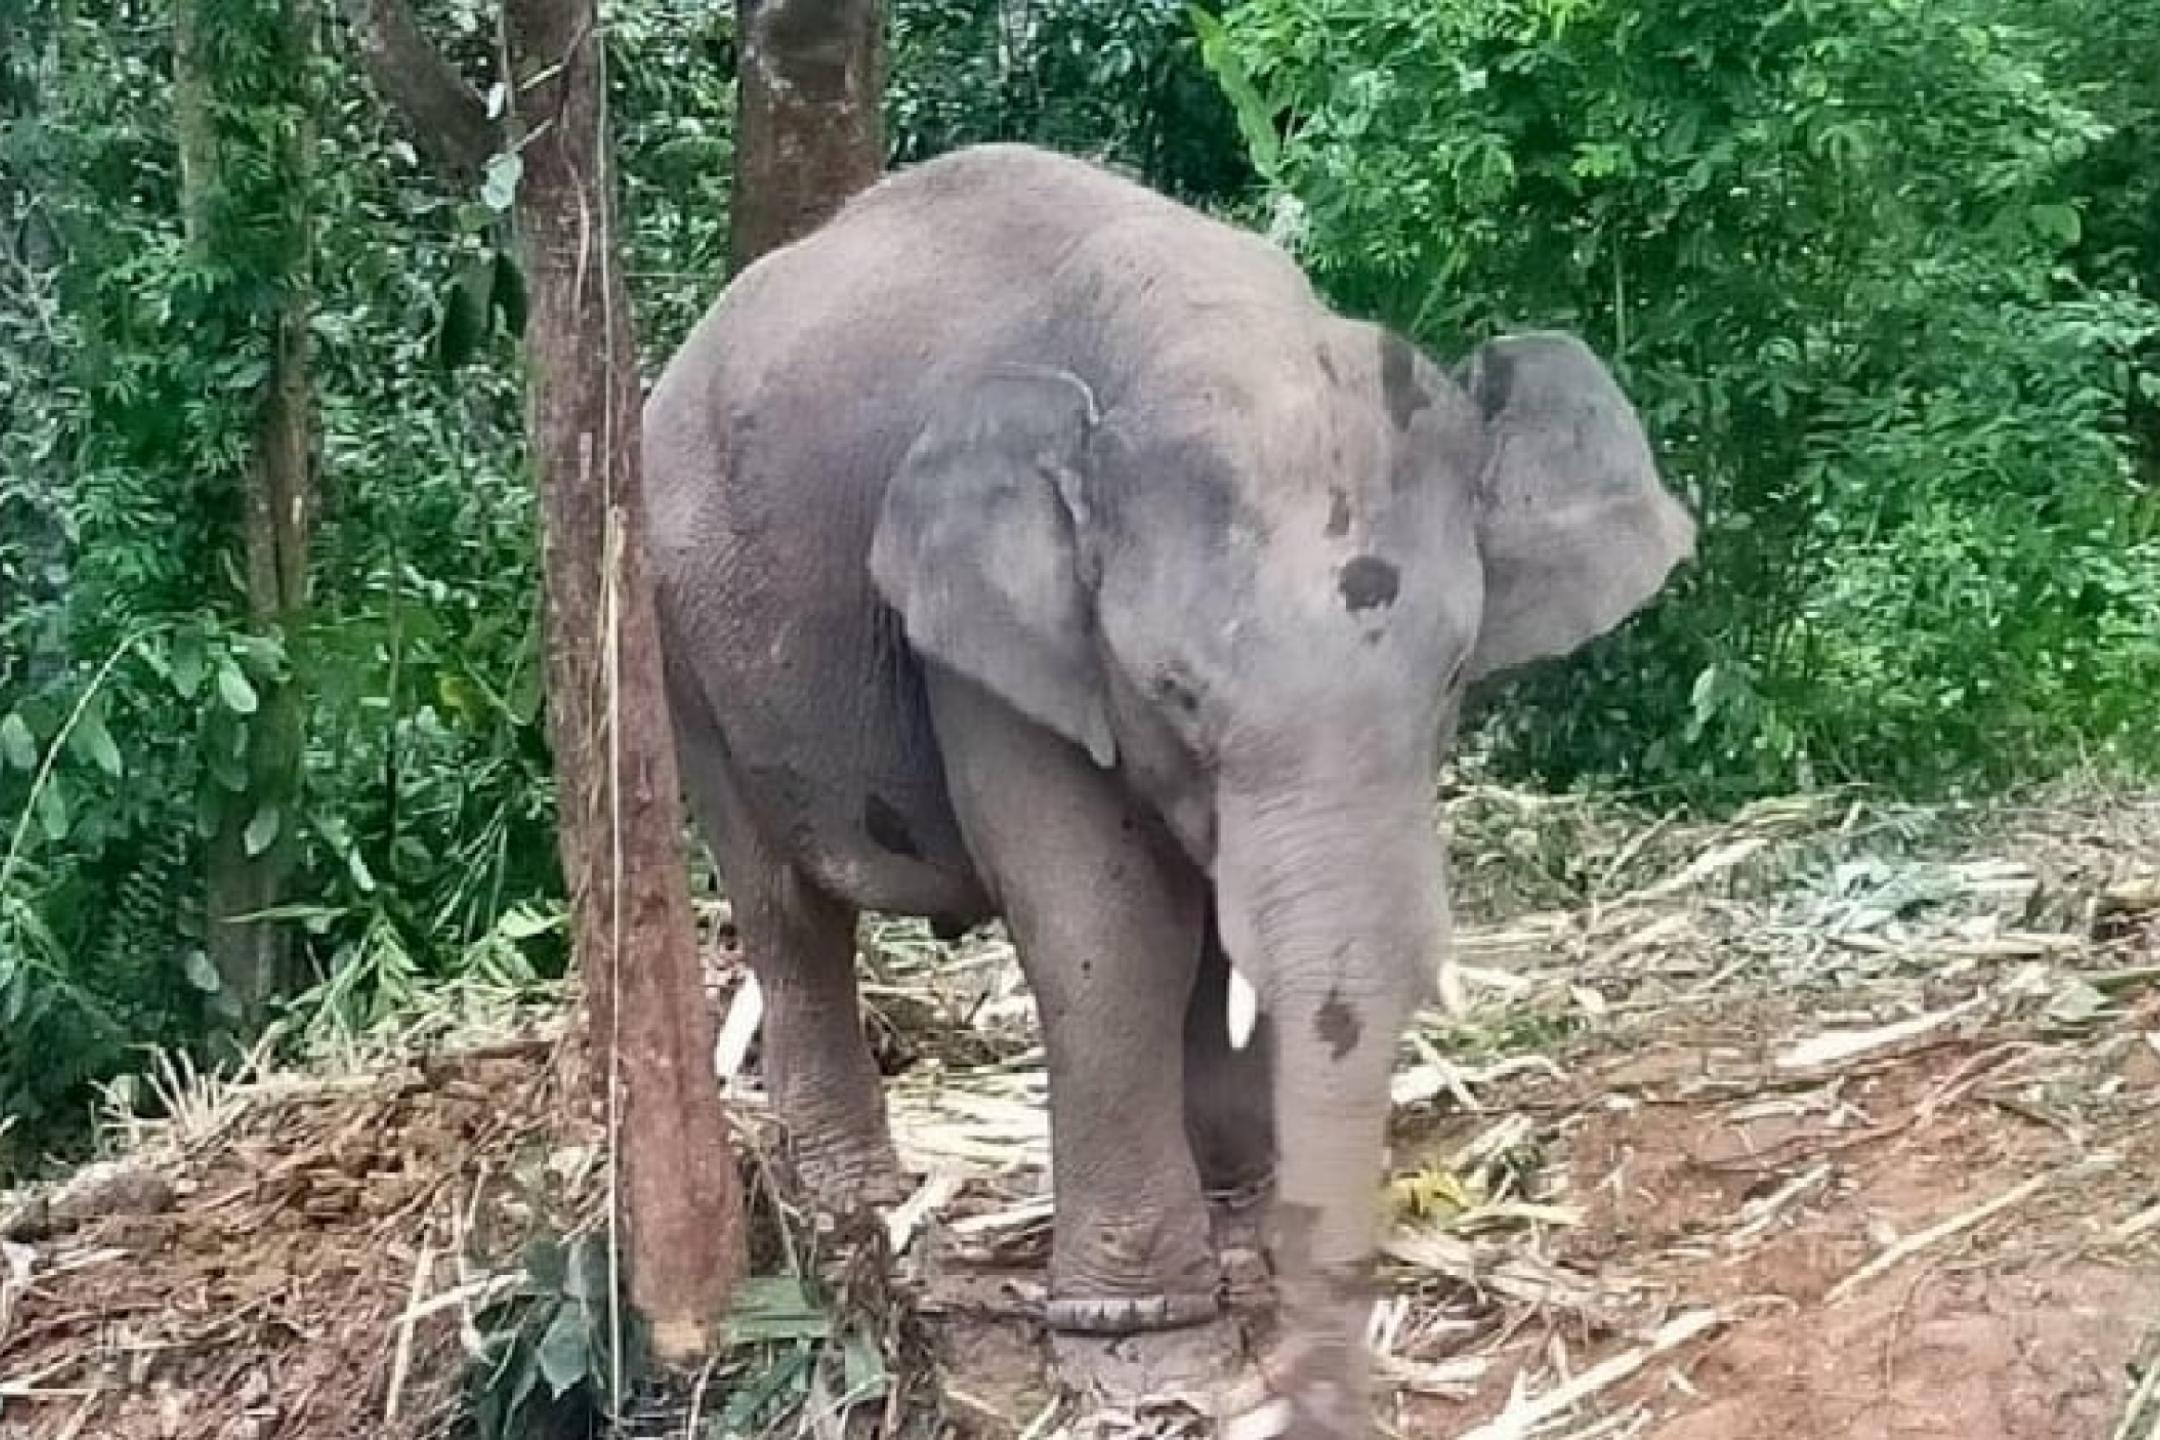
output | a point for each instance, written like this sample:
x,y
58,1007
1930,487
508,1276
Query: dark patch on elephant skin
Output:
x,y
888,829
1399,388
1338,514
1327,364
1492,375
1336,1024
1367,581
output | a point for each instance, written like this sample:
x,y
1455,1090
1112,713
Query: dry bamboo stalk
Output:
x,y
1956,1225
1517,1422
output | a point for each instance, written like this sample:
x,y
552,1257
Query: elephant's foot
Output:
x,y
1195,1365
1312,1382
1237,1222
1125,1315
1149,1270
1295,1393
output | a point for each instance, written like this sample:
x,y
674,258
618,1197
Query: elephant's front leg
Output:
x,y
1108,924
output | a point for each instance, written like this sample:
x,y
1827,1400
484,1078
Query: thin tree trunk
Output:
x,y
809,128
621,819
252,853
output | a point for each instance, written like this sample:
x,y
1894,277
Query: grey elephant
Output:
x,y
1027,544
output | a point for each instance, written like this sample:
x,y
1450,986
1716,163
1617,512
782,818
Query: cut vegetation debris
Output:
x,y
1831,1120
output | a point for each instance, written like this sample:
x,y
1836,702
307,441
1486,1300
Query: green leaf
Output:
x,y
187,663
17,745
775,1307
230,772
1255,121
519,1391
585,1276
261,831
2055,222
523,922
785,1374
93,742
498,188
52,809
565,1352
526,695
209,809
235,689
201,973
863,1375
546,1264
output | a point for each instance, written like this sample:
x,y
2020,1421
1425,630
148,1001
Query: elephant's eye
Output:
x,y
1175,691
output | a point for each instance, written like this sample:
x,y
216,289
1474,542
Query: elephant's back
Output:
x,y
769,439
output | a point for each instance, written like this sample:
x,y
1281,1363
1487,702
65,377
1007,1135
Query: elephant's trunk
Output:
x,y
1332,904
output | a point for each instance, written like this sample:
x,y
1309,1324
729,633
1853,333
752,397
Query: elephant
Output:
x,y
1027,544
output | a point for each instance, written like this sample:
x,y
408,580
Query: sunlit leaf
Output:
x,y
201,973
499,186
91,740
17,745
187,663
262,830
235,689
565,1351
52,809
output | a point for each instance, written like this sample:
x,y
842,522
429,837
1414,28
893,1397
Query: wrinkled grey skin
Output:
x,y
1030,545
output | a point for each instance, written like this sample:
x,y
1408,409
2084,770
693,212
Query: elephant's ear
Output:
x,y
975,548
1574,528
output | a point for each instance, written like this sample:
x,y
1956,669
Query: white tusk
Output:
x,y
738,1029
1263,1423
1243,1011
1454,1000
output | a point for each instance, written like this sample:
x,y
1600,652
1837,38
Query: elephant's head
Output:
x,y
1260,587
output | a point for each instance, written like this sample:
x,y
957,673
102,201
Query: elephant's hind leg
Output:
x,y
817,1066
800,942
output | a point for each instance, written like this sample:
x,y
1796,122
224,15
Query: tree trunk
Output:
x,y
251,856
447,118
621,817
809,128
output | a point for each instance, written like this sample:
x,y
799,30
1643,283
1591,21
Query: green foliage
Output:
x,y
547,1358
1118,79
1831,245
425,812
672,103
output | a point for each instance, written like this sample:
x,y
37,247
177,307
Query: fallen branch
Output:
x,y
1519,1421
1957,1225
1842,1045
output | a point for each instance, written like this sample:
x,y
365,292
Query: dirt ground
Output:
x,y
1830,1121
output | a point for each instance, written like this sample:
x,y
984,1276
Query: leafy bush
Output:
x,y
1828,243
1120,80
